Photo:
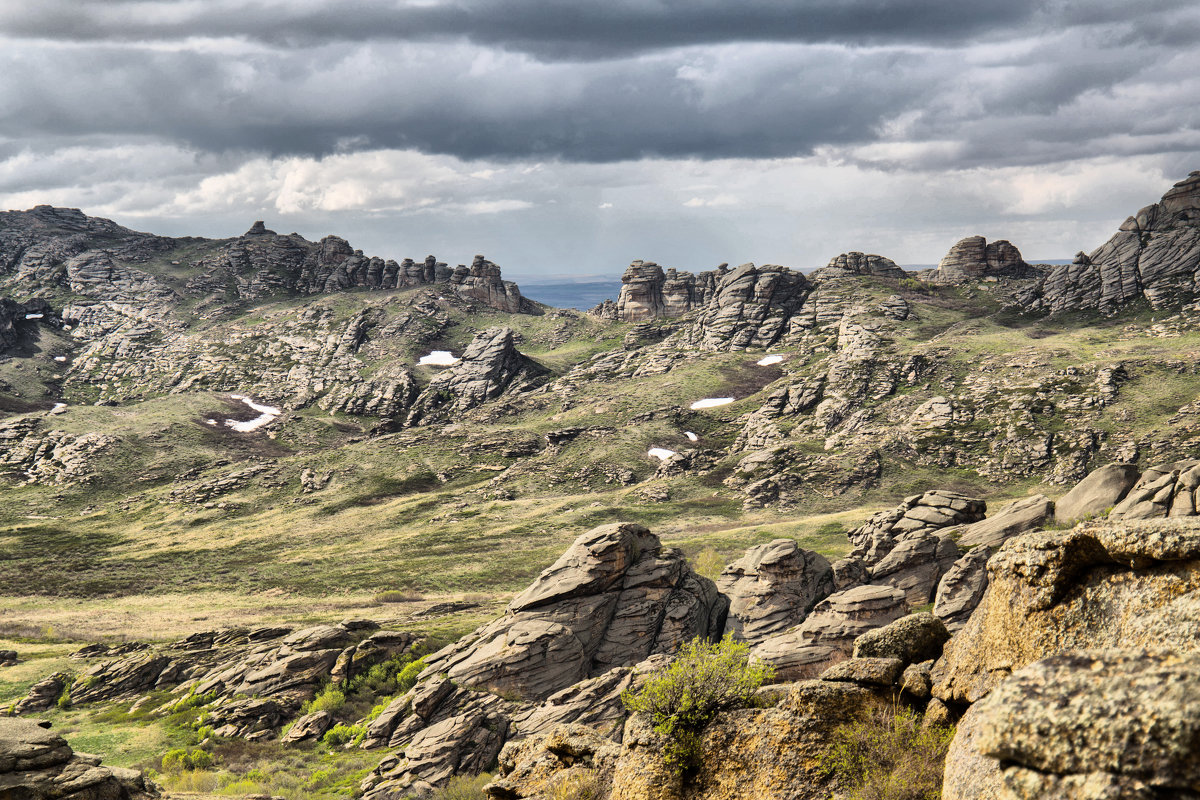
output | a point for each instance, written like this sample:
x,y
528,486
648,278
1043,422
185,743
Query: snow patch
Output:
x,y
266,414
60,358
711,402
439,358
661,453
691,436
34,316
767,361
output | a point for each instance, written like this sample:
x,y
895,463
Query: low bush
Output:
x,y
340,735
705,679
330,699
181,759
709,563
888,756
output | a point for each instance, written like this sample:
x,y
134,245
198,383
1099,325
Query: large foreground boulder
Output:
x,y
749,754
1098,585
38,764
1087,725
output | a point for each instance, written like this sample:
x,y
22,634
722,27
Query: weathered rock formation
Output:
x,y
1098,585
752,753
1016,517
974,257
856,263
612,600
1155,254
38,764
51,246
772,588
649,293
827,635
1168,490
490,366
1098,493
1086,724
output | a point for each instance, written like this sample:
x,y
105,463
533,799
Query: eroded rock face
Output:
x,y
773,587
535,766
749,754
613,599
961,588
856,263
1100,491
1099,585
918,516
974,257
1088,724
1168,490
489,366
910,639
38,764
1016,517
1155,254
827,636
750,307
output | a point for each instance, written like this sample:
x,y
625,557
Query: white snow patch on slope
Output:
x,y
661,453
711,402
439,358
266,414
691,436
767,361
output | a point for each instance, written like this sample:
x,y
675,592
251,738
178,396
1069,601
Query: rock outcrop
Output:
x,y
751,753
750,307
1016,517
855,263
38,764
1098,585
1155,254
772,588
828,634
1098,493
1087,724
490,366
614,598
1168,490
975,257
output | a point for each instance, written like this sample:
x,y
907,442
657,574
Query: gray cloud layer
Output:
x,y
703,79
142,98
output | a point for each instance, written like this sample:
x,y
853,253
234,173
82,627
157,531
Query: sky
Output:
x,y
566,138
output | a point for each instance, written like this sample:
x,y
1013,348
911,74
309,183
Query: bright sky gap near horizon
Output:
x,y
565,139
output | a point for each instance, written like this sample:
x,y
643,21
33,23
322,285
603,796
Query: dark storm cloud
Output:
x,y
994,81
767,102
566,29
557,28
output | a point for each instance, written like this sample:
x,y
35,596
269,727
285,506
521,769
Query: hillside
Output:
x,y
250,432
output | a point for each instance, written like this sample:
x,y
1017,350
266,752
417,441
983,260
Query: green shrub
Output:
x,y
705,679
181,759
330,699
340,735
407,677
888,756
709,563
64,699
